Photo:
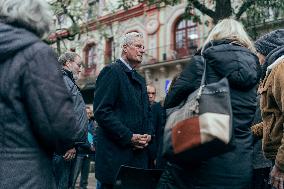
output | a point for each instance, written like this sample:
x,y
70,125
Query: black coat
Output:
x,y
224,59
155,148
121,108
36,112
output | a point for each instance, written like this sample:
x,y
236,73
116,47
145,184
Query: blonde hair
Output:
x,y
230,29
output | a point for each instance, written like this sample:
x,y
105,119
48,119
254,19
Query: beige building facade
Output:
x,y
170,41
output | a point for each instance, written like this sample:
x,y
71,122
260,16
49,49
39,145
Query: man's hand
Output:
x,y
70,154
148,137
92,148
136,141
140,141
276,178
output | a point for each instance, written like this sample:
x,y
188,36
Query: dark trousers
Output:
x,y
172,178
106,186
261,178
81,164
61,171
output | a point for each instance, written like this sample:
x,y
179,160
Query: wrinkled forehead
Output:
x,y
150,89
88,110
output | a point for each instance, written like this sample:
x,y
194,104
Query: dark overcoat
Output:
x,y
36,112
231,170
121,108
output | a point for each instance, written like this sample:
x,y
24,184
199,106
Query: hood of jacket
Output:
x,y
234,61
271,59
13,39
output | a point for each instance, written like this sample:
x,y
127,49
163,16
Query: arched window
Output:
x,y
186,37
90,58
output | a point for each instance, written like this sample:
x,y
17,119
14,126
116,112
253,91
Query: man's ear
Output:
x,y
124,48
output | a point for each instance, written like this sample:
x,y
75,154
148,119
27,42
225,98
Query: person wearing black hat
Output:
x,y
270,48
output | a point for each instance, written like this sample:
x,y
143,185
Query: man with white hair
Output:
x,y
122,111
36,110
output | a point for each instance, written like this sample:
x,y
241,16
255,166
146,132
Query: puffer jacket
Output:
x,y
231,170
36,111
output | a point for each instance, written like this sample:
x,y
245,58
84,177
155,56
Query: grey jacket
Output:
x,y
36,111
79,104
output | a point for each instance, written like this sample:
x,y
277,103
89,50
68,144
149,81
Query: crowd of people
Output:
x,y
48,136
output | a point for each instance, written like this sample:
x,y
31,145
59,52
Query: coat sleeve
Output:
x,y
187,82
79,104
278,93
257,129
105,98
48,102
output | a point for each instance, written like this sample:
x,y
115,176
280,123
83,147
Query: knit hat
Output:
x,y
270,41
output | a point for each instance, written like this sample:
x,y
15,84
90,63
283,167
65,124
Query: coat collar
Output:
x,y
274,64
131,73
69,74
123,66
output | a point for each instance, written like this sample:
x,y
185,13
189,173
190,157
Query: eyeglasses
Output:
x,y
138,46
79,65
153,93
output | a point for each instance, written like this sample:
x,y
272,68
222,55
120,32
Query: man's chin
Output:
x,y
139,61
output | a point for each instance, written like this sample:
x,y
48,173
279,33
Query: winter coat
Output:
x,y
36,111
79,104
155,148
259,161
271,105
233,169
121,109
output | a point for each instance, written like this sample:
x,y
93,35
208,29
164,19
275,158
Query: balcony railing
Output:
x,y
169,53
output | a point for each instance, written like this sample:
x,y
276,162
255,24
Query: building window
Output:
x,y
90,59
91,8
90,55
186,37
109,48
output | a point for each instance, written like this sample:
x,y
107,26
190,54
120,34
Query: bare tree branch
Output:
x,y
65,10
244,7
202,8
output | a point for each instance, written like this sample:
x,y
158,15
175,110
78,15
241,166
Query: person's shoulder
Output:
x,y
39,50
112,70
279,67
114,66
156,105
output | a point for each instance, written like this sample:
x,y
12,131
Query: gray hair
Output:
x,y
129,38
34,15
67,56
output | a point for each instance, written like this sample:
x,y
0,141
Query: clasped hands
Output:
x,y
140,141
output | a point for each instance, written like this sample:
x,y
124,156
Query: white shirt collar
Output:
x,y
126,64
